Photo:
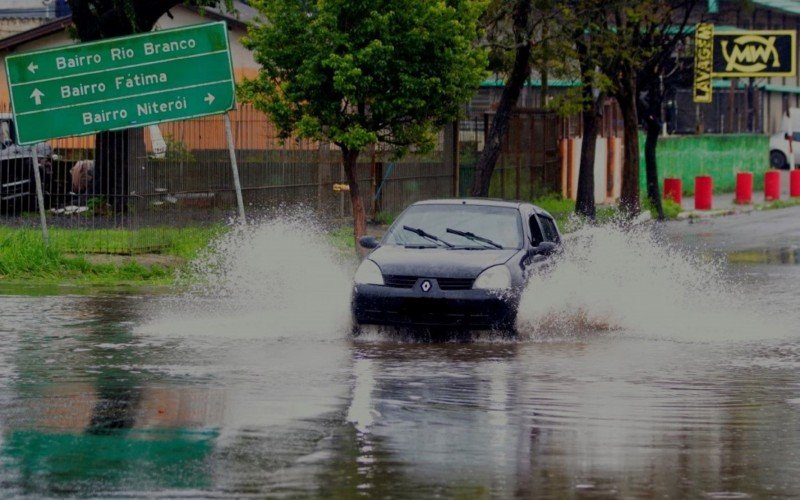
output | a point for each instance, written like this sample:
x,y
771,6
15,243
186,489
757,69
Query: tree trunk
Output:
x,y
584,200
508,100
629,198
111,168
349,159
651,167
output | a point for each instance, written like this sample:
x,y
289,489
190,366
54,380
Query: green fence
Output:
x,y
720,156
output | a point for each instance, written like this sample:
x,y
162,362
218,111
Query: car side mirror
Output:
x,y
368,242
543,248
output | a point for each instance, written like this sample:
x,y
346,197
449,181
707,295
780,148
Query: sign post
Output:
x,y
120,83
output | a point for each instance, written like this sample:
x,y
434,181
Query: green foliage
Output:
x,y
671,209
24,257
358,73
342,238
385,218
557,205
177,150
773,205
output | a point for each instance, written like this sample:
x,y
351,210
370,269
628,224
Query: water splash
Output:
x,y
277,278
616,279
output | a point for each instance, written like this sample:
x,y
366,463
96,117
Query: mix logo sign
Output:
x,y
120,83
756,54
735,54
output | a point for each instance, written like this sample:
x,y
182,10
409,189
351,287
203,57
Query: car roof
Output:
x,y
486,202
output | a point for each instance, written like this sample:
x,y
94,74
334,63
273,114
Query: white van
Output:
x,y
784,147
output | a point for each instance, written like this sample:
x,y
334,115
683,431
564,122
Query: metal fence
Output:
x,y
732,111
133,188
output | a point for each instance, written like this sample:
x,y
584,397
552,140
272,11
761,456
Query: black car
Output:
x,y
458,264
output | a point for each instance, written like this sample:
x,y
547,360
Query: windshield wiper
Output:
x,y
474,237
423,234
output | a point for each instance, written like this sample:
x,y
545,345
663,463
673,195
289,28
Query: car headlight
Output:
x,y
494,278
368,273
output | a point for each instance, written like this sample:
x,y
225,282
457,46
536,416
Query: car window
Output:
x,y
549,229
500,224
796,136
536,232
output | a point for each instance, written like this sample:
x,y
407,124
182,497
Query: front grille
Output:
x,y
455,283
398,281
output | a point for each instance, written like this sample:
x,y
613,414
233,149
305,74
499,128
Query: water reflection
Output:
x,y
776,256
595,418
90,406
87,418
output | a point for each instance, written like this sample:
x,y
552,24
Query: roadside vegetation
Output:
x,y
81,256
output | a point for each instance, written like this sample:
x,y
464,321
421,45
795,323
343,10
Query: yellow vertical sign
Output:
x,y
703,62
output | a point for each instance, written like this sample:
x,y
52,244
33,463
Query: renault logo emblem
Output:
x,y
426,286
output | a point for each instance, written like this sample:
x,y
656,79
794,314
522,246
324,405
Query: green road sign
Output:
x,y
120,83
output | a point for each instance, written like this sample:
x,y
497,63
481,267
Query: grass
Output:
x,y
773,205
25,257
342,238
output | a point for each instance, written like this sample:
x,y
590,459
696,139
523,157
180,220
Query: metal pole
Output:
x,y
234,168
40,195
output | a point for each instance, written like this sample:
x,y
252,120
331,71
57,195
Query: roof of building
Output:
x,y
790,6
40,31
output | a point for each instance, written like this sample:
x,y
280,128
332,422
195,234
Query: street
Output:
x,y
679,382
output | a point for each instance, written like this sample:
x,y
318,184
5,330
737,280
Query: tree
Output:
x,y
654,79
366,72
99,19
583,24
521,16
640,32
550,37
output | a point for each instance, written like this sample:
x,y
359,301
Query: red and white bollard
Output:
x,y
744,188
794,183
673,190
772,185
703,192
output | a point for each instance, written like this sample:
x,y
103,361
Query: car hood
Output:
x,y
437,262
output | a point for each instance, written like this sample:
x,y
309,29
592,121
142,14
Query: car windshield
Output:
x,y
500,225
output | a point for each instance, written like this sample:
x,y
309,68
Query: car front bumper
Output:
x,y
461,309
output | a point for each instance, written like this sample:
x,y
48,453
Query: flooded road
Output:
x,y
630,378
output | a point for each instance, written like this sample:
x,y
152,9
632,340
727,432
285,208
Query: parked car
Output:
x,y
459,264
783,148
17,181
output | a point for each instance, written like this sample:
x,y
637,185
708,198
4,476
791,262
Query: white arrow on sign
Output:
x,y
32,67
209,98
37,96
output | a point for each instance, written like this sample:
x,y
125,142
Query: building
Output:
x,y
740,105
17,16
